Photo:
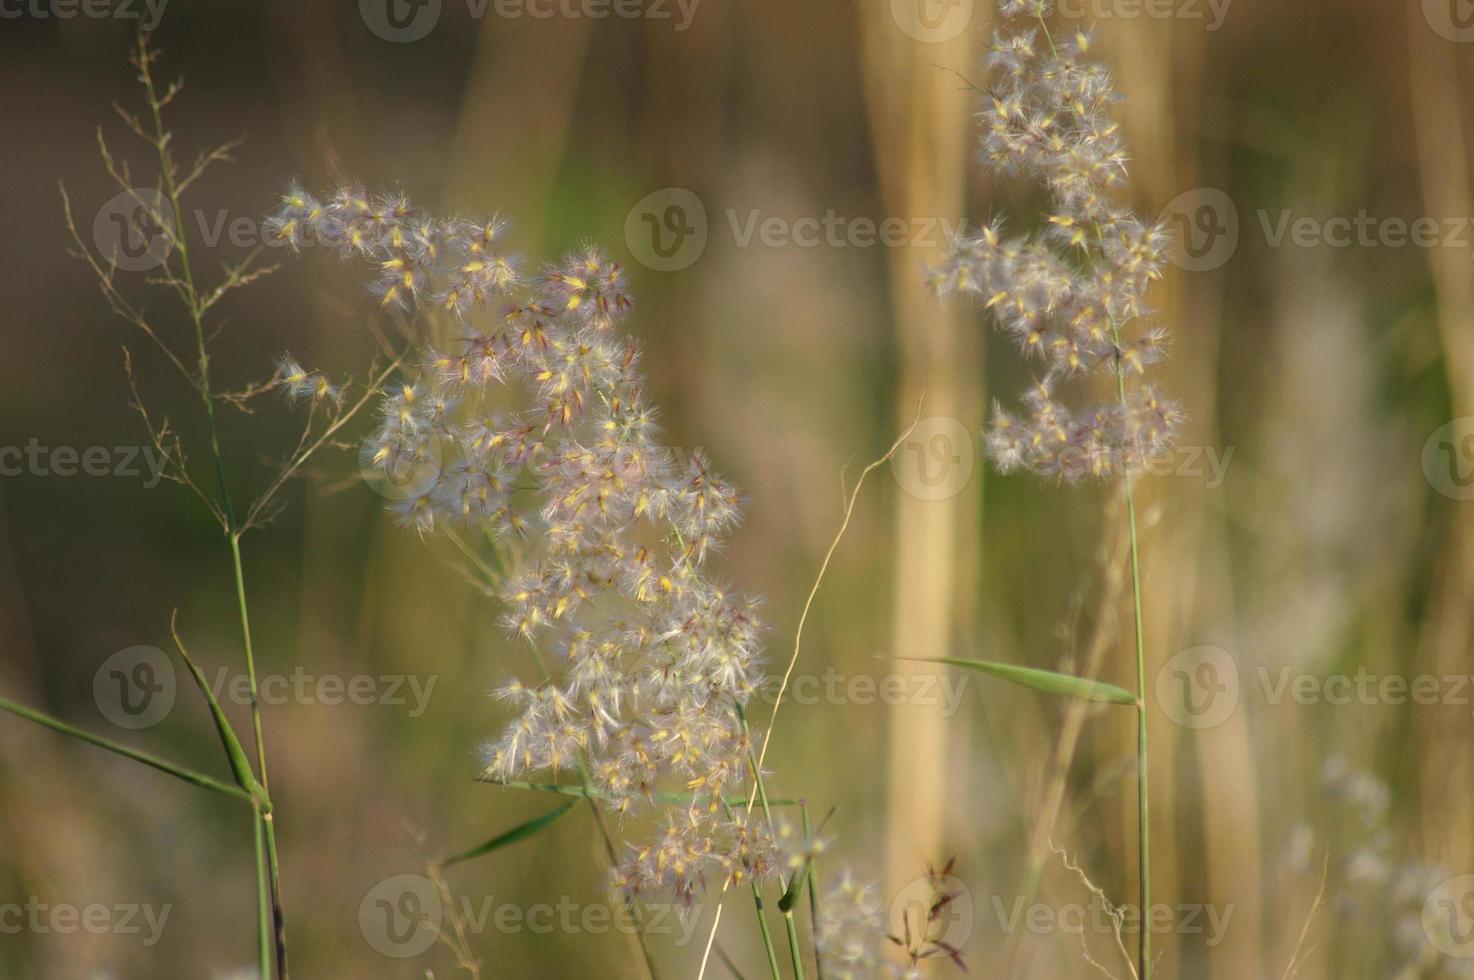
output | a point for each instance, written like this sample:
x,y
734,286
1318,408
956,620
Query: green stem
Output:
x,y
1144,859
273,866
762,924
232,529
813,891
1144,884
1144,870
240,598
180,772
263,900
789,925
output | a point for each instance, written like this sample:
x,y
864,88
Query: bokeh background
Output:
x,y
1332,383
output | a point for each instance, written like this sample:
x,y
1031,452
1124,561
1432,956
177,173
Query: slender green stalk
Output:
x,y
1144,854
273,866
189,776
1144,861
1144,890
762,924
240,597
263,900
789,925
232,529
727,962
813,892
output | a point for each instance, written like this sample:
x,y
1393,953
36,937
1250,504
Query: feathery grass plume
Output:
x,y
851,934
535,426
1071,296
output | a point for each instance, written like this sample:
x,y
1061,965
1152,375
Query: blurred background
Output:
x,y
774,176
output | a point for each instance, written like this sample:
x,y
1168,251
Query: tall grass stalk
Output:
x,y
233,528
1144,850
329,414
1063,294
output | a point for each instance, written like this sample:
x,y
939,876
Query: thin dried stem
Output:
x,y
1113,912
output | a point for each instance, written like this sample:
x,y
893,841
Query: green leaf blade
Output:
x,y
519,833
162,765
1048,681
240,766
